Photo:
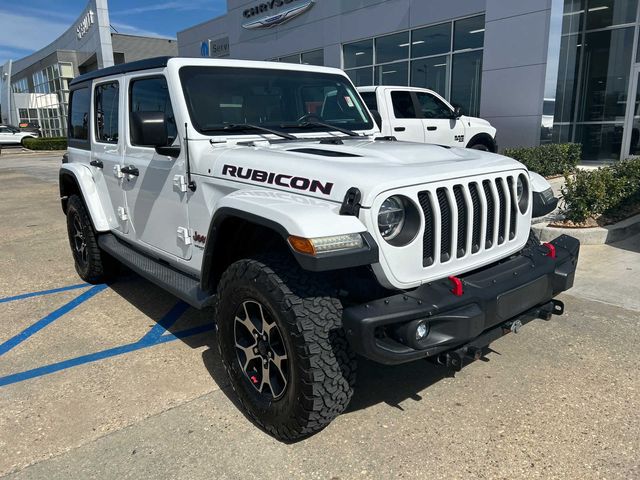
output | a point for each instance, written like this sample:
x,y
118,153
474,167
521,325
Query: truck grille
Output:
x,y
467,218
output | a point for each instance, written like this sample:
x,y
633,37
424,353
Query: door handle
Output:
x,y
399,129
432,128
96,163
130,170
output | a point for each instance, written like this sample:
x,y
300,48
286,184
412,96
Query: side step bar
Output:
x,y
182,286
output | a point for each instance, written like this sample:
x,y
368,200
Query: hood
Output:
x,y
327,171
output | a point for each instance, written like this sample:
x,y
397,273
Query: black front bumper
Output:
x,y
494,300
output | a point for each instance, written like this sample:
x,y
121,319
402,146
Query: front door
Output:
x,y
156,200
106,154
440,126
406,124
631,137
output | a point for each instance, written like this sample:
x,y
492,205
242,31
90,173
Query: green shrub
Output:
x,y
604,191
53,143
549,159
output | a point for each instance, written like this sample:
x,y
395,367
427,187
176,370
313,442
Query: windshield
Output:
x,y
280,99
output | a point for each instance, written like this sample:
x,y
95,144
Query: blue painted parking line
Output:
x,y
43,292
49,319
153,337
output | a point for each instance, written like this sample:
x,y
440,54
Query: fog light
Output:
x,y
421,331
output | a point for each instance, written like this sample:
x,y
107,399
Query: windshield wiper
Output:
x,y
351,133
232,127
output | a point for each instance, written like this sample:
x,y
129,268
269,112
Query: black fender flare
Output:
x,y
320,263
485,139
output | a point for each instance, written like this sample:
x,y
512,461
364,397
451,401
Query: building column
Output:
x,y
514,67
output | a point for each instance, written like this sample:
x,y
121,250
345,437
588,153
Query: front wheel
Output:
x,y
281,341
480,146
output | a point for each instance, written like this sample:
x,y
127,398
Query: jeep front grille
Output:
x,y
454,215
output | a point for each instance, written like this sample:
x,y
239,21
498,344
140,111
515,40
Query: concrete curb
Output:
x,y
591,236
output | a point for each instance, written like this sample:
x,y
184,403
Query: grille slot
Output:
x,y
445,214
491,208
503,209
513,214
462,221
428,240
477,219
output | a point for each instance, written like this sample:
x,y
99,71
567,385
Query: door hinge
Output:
x,y
183,234
180,183
117,172
122,213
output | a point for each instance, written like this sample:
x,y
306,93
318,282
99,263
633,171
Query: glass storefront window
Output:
x,y
316,57
361,76
291,59
607,60
392,47
430,41
358,54
392,74
469,33
573,16
570,48
431,73
466,82
606,13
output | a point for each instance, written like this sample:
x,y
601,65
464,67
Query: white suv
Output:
x,y
266,191
420,115
13,136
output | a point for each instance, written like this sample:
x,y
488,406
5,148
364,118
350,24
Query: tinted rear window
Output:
x,y
79,114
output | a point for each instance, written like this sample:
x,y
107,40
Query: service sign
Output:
x,y
274,12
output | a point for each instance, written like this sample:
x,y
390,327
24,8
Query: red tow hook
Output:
x,y
552,250
457,286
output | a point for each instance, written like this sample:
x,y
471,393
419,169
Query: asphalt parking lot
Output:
x,y
122,381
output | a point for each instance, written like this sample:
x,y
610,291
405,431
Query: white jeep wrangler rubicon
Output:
x,y
266,191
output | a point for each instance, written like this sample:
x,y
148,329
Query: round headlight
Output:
x,y
391,217
522,192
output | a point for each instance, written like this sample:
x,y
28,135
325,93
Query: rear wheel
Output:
x,y
93,265
281,341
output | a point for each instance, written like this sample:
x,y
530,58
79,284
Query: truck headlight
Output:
x,y
398,220
522,193
391,217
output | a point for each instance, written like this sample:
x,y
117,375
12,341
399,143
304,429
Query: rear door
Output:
x,y
406,123
107,149
440,127
155,194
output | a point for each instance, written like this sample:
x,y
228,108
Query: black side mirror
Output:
x,y
457,113
377,118
150,129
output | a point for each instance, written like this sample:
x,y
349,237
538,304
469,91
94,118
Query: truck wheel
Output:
x,y
93,265
479,146
281,341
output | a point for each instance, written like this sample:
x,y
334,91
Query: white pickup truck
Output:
x,y
420,115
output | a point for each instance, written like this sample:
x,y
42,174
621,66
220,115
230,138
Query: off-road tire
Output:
x,y
322,366
97,266
480,146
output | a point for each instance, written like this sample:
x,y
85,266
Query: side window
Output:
x,y
4,130
106,112
403,106
432,106
152,95
370,99
79,116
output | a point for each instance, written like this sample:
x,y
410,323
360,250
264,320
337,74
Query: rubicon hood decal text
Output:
x,y
279,179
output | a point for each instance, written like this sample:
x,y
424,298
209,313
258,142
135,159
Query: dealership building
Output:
x,y
539,70
34,89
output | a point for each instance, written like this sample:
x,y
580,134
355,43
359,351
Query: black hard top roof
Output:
x,y
146,64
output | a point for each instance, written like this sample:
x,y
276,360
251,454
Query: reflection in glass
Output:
x,y
361,76
634,145
567,78
431,73
358,54
290,59
600,142
469,33
605,13
466,81
573,16
392,74
392,47
316,57
431,40
607,59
